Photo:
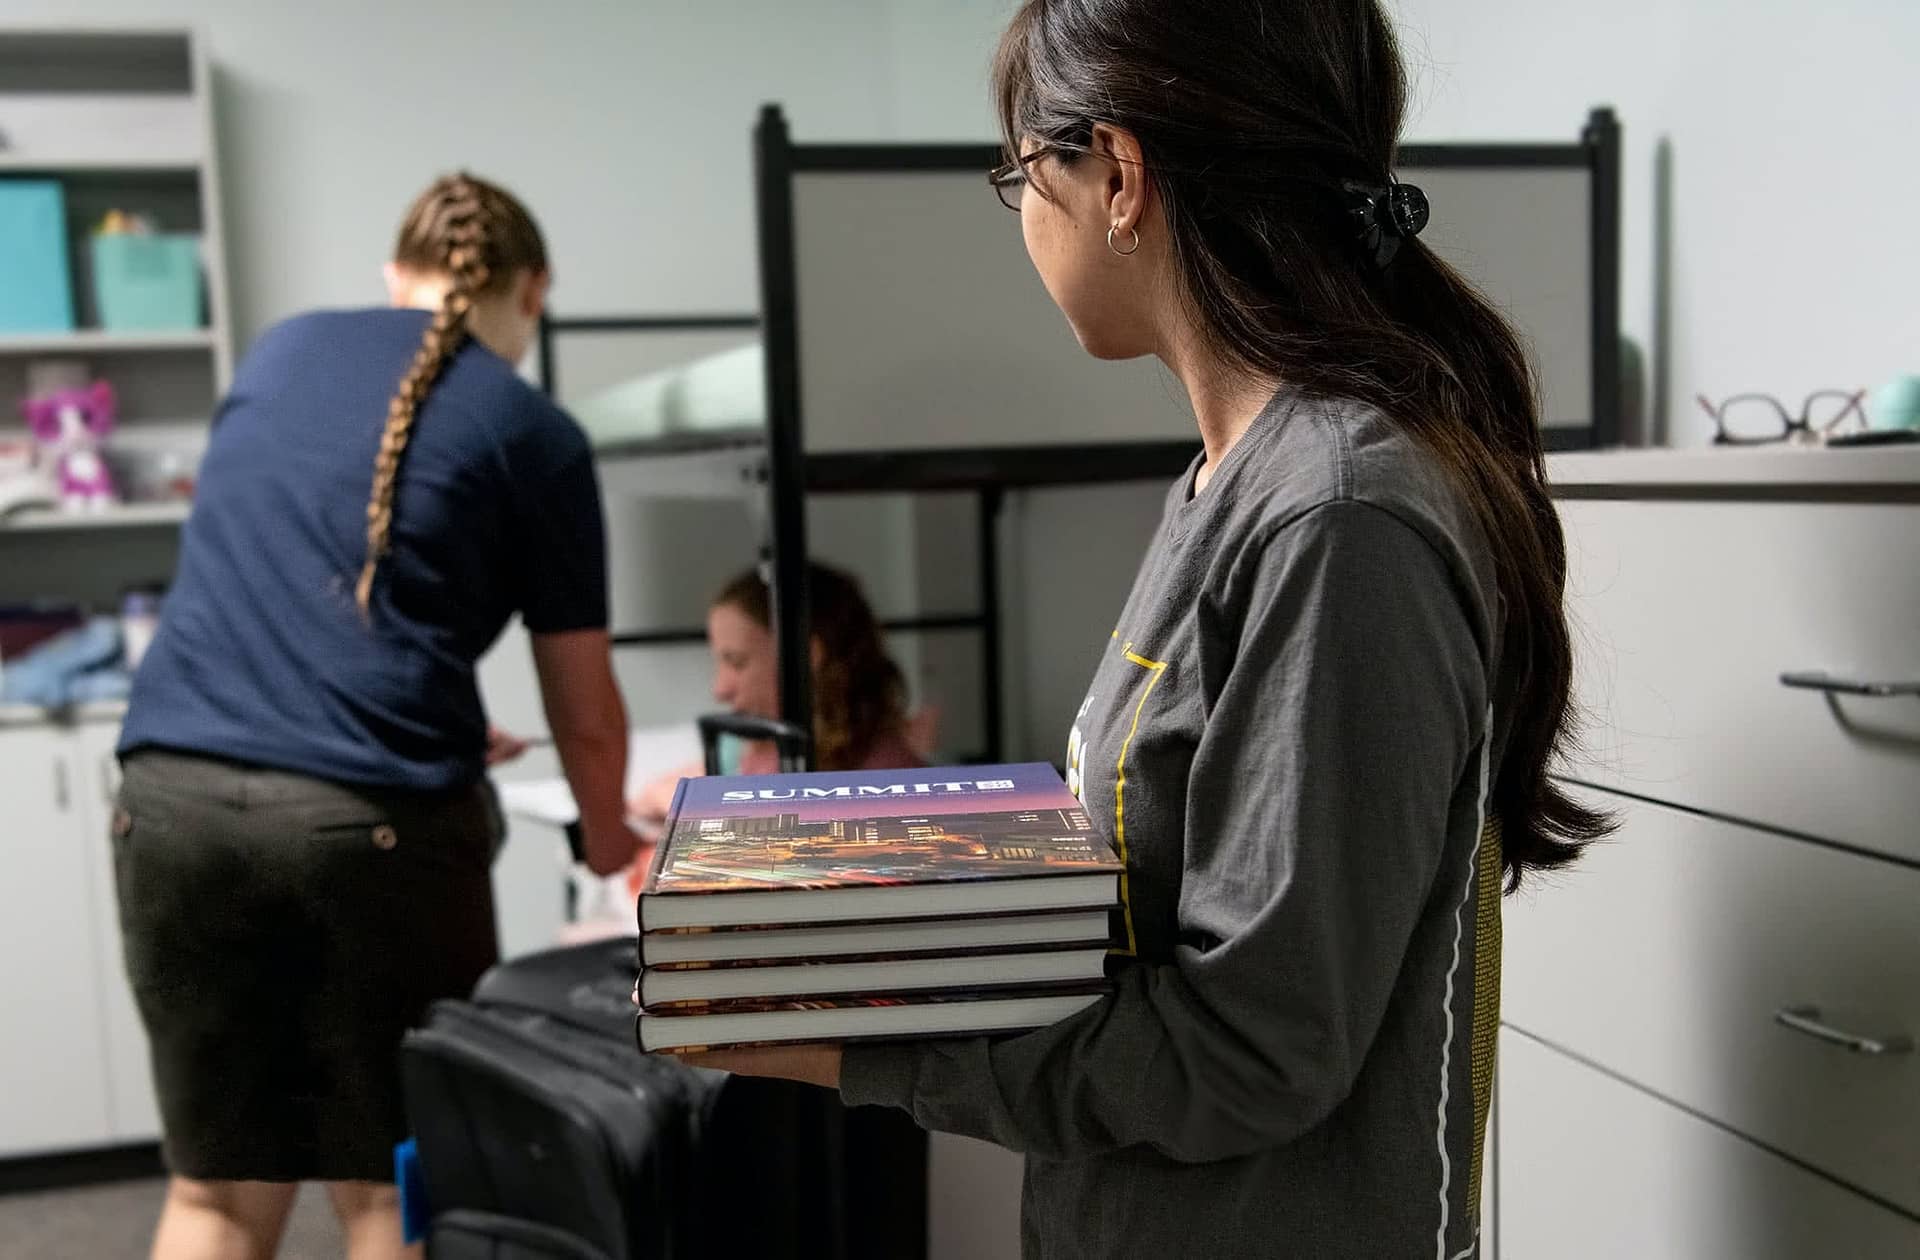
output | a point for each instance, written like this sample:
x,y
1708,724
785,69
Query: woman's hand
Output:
x,y
810,1065
502,747
653,802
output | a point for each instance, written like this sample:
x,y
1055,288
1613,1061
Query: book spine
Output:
x,y
660,851
724,929
882,955
769,1045
682,1008
860,1039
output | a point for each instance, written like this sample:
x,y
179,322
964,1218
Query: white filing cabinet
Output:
x,y
73,1057
1593,1168
1709,1020
132,1106
50,1057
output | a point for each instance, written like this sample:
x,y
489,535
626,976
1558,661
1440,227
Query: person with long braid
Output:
x,y
302,840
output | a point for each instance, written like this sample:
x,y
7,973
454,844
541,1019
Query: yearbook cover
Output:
x,y
776,850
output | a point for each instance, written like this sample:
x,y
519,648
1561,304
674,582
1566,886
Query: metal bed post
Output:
x,y
992,697
1601,138
549,374
786,460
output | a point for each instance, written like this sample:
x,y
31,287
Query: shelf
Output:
x,y
57,168
12,715
130,516
97,341
1723,470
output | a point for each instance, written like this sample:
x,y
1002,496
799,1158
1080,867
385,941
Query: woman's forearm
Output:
x,y
589,727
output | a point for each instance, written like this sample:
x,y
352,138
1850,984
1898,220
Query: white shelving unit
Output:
x,y
122,117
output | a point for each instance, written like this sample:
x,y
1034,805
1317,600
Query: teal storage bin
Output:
x,y
147,283
36,289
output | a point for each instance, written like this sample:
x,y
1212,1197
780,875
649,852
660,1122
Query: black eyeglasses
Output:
x,y
1758,419
1009,179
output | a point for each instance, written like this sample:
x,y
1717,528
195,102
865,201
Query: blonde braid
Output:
x,y
460,226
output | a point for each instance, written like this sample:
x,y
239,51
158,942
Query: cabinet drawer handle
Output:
x,y
1821,680
1806,1019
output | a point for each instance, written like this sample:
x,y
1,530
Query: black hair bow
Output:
x,y
1385,215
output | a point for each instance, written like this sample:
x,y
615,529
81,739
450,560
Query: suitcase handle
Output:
x,y
790,743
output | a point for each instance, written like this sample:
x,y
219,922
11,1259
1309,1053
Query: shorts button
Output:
x,y
122,823
385,837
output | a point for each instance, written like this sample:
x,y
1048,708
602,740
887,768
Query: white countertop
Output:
x,y
652,751
12,715
1749,466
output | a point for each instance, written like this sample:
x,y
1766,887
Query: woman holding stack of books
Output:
x,y
1320,733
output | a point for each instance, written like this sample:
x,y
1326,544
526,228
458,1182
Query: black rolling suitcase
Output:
x,y
540,1112
544,1134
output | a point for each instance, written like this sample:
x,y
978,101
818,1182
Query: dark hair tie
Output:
x,y
1385,215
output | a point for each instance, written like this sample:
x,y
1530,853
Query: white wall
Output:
x,y
939,53
1791,127
624,125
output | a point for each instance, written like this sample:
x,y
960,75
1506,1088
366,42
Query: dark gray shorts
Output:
x,y
281,933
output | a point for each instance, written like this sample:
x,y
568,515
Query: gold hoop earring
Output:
x,y
1124,253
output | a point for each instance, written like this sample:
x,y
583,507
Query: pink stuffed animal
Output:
x,y
69,425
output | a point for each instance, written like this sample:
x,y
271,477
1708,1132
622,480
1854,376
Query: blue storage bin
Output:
x,y
147,283
36,289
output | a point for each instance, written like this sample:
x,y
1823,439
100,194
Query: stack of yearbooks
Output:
x,y
873,904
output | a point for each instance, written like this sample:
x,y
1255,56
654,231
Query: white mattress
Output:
x,y
718,393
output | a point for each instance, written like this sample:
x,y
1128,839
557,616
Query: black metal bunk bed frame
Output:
x,y
846,474
790,474
793,473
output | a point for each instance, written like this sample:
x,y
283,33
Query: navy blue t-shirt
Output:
x,y
262,654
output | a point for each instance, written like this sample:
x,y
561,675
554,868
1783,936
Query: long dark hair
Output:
x,y
1255,120
859,694
480,237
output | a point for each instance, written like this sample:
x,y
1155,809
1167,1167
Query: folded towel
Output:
x,y
78,667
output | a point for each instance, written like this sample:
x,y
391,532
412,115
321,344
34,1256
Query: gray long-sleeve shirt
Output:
x,y
1289,739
